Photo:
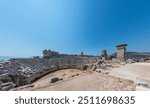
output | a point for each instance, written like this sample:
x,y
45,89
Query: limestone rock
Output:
x,y
98,70
54,80
7,86
25,71
75,75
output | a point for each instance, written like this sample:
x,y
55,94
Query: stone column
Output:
x,y
121,51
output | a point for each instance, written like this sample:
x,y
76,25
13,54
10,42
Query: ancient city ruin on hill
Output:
x,y
55,71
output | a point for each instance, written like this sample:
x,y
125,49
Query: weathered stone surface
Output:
x,y
94,68
49,53
121,51
98,70
104,55
22,87
75,75
136,56
7,86
85,67
54,80
130,61
144,85
25,71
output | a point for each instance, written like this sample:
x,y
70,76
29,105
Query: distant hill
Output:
x,y
2,58
136,55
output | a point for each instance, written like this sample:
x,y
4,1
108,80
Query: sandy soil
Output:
x,y
83,82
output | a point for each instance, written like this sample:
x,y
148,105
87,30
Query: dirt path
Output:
x,y
81,82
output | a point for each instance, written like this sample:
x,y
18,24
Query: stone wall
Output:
x,y
26,71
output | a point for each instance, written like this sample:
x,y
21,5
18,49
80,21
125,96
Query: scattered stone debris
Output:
x,y
75,75
107,73
85,67
94,68
130,61
98,70
22,87
7,86
54,80
144,85
64,74
104,55
85,82
102,71
143,82
123,63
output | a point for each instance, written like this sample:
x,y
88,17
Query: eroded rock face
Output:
x,y
25,71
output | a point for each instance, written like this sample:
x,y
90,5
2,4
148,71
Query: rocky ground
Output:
x,y
116,77
137,72
74,73
19,72
77,80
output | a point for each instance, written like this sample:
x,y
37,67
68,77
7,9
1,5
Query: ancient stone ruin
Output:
x,y
49,53
19,72
121,52
104,55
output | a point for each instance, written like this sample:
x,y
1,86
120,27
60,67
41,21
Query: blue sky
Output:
x,y
71,26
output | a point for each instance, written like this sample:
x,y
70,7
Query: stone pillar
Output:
x,y
121,51
104,55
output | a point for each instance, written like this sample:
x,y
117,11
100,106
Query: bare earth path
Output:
x,y
83,82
